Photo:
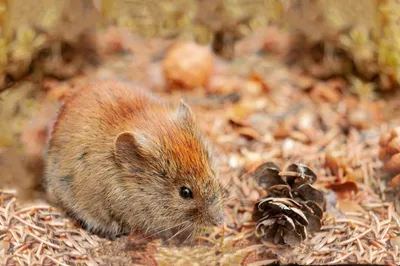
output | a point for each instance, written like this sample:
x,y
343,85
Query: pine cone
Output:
x,y
293,207
389,154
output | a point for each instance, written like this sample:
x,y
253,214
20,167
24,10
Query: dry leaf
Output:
x,y
223,84
249,133
345,189
325,92
332,163
255,77
304,82
237,115
281,132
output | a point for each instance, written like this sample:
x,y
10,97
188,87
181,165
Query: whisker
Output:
x,y
158,227
194,236
180,231
172,227
187,237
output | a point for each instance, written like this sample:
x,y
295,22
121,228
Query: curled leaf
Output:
x,y
332,163
249,133
344,190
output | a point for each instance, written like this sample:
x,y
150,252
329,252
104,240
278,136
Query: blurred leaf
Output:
x,y
345,189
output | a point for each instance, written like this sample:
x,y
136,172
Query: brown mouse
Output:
x,y
121,159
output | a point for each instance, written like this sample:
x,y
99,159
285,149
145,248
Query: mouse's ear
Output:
x,y
184,113
129,148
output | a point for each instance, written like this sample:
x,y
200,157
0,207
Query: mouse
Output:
x,y
122,159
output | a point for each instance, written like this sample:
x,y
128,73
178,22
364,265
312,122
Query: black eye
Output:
x,y
185,193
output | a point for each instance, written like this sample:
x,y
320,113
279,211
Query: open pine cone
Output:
x,y
293,207
389,154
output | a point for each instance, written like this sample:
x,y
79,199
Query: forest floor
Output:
x,y
255,109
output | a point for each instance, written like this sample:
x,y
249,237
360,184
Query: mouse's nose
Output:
x,y
215,214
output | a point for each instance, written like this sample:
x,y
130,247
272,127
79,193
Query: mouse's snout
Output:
x,y
218,220
216,215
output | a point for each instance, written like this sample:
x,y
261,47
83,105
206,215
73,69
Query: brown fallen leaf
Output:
x,y
305,83
325,92
300,136
238,114
257,78
345,189
223,84
333,163
249,133
281,132
340,168
339,84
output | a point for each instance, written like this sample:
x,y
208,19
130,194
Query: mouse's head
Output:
x,y
169,173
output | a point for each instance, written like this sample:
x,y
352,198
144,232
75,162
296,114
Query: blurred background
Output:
x,y
311,81
356,40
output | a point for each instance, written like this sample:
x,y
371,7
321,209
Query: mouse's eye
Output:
x,y
185,193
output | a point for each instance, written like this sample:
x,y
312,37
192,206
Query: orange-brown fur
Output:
x,y
115,181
